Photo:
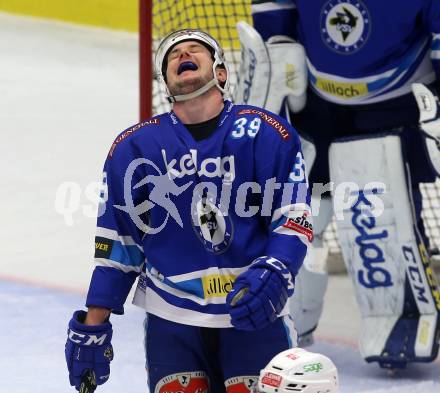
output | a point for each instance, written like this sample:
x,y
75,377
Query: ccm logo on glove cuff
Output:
x,y
86,339
277,265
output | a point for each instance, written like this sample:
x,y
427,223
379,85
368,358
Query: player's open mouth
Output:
x,y
186,66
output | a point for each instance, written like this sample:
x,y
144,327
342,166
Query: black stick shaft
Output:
x,y
88,382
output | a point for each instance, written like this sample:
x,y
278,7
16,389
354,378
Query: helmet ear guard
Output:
x,y
160,61
299,371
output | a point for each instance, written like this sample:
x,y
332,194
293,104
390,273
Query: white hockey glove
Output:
x,y
429,108
271,71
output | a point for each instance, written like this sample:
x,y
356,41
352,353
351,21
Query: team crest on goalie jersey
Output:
x,y
211,223
345,25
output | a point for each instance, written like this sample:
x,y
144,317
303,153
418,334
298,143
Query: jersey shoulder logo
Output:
x,y
345,25
130,131
267,118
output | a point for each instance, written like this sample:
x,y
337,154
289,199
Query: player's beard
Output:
x,y
188,86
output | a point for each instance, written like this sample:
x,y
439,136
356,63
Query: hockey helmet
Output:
x,y
297,370
160,61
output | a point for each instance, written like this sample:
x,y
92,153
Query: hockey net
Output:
x,y
219,17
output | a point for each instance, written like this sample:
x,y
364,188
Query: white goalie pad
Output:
x,y
382,249
270,72
429,122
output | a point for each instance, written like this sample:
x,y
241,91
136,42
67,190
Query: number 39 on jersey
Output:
x,y
243,126
298,173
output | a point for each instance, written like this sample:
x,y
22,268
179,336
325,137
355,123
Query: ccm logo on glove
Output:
x,y
84,339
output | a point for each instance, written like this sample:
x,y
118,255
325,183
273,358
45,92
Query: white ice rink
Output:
x,y
65,92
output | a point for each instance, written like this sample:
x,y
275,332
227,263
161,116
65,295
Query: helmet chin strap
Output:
x,y
194,94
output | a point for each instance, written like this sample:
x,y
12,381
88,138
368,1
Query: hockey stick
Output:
x,y
88,382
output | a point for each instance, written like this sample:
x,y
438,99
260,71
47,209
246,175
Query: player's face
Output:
x,y
189,67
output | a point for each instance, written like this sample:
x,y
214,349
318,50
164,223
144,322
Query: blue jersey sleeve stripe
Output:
x,y
126,255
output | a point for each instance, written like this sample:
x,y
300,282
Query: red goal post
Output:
x,y
145,59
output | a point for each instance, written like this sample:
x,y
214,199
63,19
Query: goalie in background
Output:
x,y
360,123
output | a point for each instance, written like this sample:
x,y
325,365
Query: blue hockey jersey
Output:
x,y
188,217
359,51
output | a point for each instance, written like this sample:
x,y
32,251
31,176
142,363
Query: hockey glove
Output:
x,y
259,294
88,348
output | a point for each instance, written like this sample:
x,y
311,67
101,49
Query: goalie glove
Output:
x,y
270,72
429,122
259,294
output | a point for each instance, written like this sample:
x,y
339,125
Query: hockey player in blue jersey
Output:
x,y
207,206
362,60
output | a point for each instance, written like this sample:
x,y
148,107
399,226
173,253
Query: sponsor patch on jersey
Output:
x,y
188,164
242,384
345,25
272,379
190,382
269,120
130,131
103,247
301,224
342,90
217,285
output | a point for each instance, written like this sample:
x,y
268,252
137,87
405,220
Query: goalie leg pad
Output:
x,y
395,287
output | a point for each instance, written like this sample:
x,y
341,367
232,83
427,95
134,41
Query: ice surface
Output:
x,y
65,92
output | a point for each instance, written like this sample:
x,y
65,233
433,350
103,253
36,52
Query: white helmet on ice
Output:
x,y
297,370
160,61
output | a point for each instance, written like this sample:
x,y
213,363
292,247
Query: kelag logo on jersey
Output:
x,y
345,26
209,167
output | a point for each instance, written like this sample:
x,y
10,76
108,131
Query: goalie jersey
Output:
x,y
187,217
359,51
